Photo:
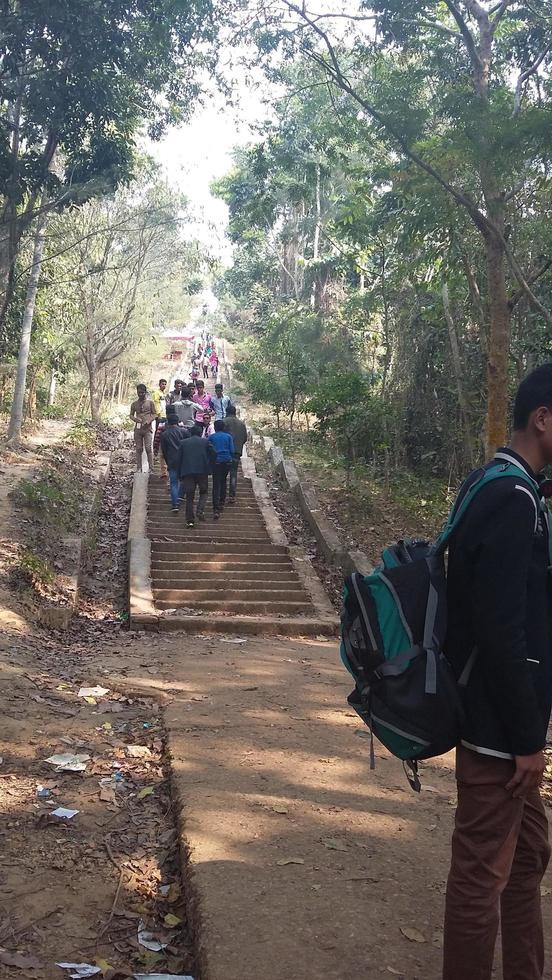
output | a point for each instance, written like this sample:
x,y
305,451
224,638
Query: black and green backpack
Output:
x,y
393,629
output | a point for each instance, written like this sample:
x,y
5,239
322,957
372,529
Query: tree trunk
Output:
x,y
31,394
498,348
52,387
16,417
458,375
93,389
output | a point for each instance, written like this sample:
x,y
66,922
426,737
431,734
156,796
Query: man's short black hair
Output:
x,y
141,387
196,429
535,390
172,415
161,380
231,410
219,425
219,386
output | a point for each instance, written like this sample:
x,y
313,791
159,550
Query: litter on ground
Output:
x,y
78,970
69,761
148,940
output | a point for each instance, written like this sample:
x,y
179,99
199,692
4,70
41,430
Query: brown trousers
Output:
x,y
500,852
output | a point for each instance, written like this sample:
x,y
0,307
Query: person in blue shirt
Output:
x,y
220,402
224,447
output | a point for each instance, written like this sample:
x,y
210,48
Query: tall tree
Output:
x,y
455,89
80,77
117,257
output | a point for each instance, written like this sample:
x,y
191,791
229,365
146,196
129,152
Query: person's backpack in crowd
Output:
x,y
393,629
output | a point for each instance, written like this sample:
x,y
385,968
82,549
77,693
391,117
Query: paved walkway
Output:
x,y
304,863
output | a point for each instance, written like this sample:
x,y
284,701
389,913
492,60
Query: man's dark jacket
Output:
x,y
170,443
238,431
196,457
499,602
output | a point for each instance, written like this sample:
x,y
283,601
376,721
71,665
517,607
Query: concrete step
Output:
x,y
221,596
160,506
192,536
227,521
222,578
266,625
236,606
232,553
211,564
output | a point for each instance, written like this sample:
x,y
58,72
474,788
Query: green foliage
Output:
x,y
350,413
93,72
338,209
49,497
82,435
34,569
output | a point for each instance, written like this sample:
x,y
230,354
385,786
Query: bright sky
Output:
x,y
193,155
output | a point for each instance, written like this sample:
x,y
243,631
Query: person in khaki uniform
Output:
x,y
143,413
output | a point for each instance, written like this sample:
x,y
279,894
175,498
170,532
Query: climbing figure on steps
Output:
x,y
236,428
196,457
224,446
171,439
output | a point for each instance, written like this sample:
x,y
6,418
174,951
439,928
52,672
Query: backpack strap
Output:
x,y
496,471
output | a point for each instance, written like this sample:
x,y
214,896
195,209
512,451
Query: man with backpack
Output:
x,y
223,445
195,460
238,431
171,438
499,614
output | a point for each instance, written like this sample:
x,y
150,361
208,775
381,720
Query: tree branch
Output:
x,y
466,34
524,284
334,70
525,75
515,297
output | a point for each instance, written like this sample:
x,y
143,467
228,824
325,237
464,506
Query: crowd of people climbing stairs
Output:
x,y
195,434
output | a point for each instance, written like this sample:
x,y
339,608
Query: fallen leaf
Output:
x,y
146,791
333,844
103,965
545,891
414,935
107,795
280,809
174,893
283,861
171,920
396,973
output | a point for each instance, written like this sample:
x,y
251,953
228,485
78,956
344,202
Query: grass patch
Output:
x,y
53,496
34,569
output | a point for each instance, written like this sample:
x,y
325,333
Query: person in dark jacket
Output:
x,y
196,458
238,431
223,444
171,439
499,607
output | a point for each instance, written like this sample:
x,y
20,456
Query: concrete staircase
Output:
x,y
229,574
234,575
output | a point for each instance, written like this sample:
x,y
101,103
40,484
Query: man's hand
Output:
x,y
528,774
